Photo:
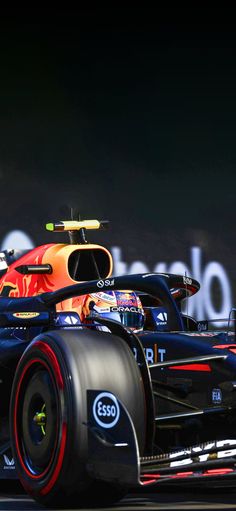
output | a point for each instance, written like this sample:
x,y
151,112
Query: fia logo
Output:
x,y
216,396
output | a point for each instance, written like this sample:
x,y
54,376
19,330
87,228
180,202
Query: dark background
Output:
x,y
127,114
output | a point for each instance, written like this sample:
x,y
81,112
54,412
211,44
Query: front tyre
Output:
x,y
49,412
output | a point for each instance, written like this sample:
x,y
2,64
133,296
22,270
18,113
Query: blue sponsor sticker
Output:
x,y
67,319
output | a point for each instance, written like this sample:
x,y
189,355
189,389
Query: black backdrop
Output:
x,y
127,114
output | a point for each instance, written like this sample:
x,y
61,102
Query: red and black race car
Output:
x,y
105,384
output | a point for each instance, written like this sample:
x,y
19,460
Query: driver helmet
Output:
x,y
122,306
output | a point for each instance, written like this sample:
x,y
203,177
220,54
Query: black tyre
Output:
x,y
49,409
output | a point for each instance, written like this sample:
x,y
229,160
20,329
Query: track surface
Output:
x,y
169,500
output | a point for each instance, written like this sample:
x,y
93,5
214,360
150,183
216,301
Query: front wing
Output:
x,y
114,455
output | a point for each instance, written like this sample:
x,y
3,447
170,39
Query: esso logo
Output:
x,y
106,410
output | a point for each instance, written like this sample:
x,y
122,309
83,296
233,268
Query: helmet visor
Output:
x,y
134,320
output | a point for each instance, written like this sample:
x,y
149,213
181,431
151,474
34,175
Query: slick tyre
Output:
x,y
48,413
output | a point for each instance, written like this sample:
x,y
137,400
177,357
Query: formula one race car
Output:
x,y
103,390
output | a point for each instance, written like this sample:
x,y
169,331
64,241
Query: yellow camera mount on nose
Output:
x,y
74,225
77,226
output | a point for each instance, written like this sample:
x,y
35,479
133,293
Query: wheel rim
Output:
x,y
38,418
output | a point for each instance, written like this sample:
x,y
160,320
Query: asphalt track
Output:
x,y
168,500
